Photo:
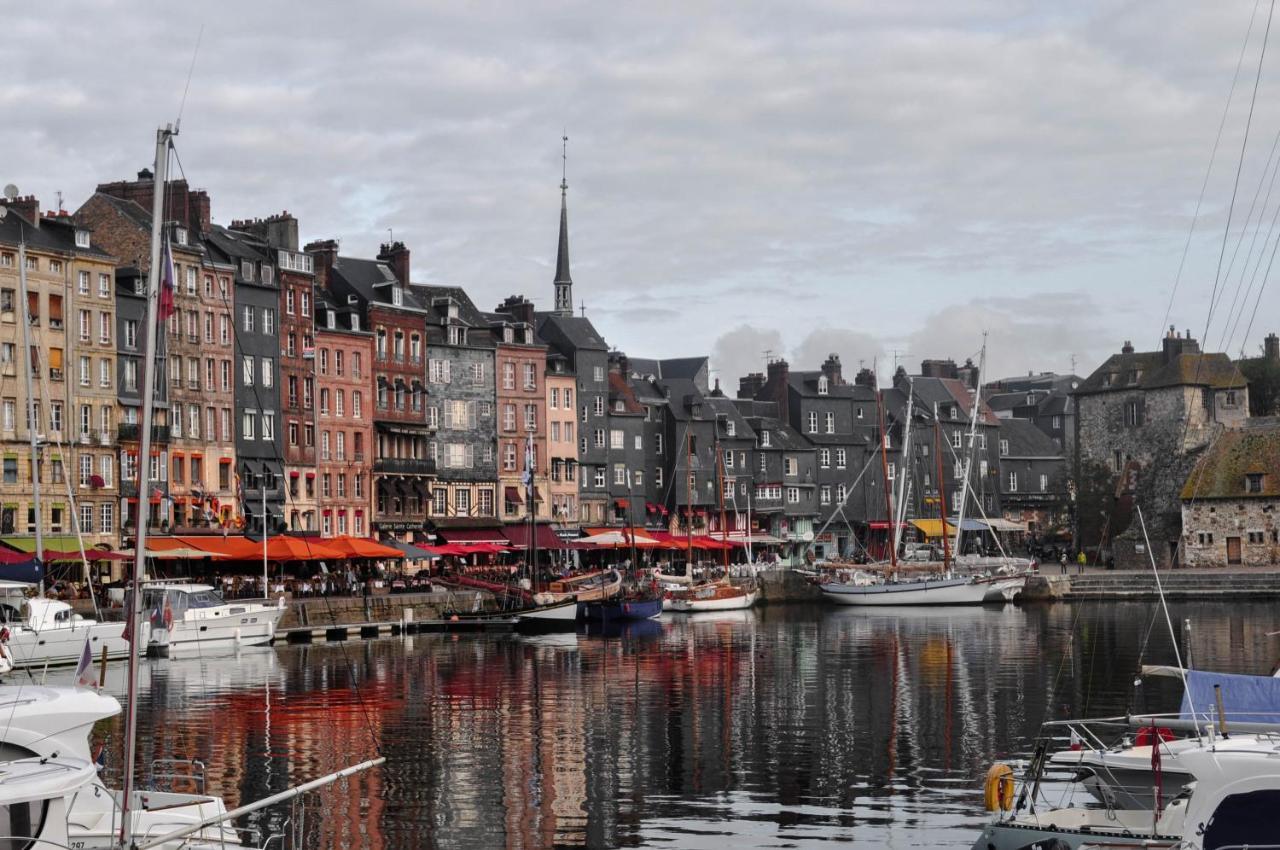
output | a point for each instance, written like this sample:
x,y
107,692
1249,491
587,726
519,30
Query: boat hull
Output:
x,y
559,616
956,591
690,604
224,627
1009,836
620,609
57,646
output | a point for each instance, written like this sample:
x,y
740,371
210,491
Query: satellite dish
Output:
x,y
11,192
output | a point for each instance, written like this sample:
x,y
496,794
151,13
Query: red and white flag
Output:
x,y
166,282
85,675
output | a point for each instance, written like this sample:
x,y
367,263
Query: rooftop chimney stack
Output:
x,y
27,206
749,385
831,368
396,255
865,378
1127,348
324,254
1271,347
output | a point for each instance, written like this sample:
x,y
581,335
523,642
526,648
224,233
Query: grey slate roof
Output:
x,y
1148,370
53,235
1026,440
370,280
576,331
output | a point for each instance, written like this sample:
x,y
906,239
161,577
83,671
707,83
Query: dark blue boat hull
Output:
x,y
612,610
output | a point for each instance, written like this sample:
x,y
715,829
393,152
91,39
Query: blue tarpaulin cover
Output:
x,y
1245,699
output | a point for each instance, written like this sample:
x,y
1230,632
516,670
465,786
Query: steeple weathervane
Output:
x,y
563,282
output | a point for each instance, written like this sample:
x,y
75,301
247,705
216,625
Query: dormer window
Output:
x,y
246,269
729,427
332,318
453,310
355,321
267,273
620,406
82,239
457,335
1004,448
1031,399
1253,482
764,439
180,235
397,296
508,334
822,385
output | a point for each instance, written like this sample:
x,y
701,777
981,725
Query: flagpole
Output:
x,y
163,138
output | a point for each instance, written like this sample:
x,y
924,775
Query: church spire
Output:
x,y
563,282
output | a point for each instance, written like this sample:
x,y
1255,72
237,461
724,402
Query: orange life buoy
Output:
x,y
997,793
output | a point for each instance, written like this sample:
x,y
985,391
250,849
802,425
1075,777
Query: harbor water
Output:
x,y
792,726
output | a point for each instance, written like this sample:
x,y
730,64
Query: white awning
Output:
x,y
1003,525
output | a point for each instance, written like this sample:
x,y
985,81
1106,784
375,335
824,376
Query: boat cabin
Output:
x,y
35,797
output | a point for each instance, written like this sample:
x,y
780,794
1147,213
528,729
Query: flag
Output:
x,y
85,676
166,282
127,634
168,613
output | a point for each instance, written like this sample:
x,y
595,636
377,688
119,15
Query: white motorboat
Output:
x,y
554,617
956,590
195,616
47,632
711,597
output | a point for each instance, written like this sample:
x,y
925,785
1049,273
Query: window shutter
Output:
x,y
470,456
448,415
471,414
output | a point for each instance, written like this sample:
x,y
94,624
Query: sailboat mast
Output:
x,y
688,516
530,492
884,469
902,475
33,427
724,532
163,139
266,593
942,491
973,441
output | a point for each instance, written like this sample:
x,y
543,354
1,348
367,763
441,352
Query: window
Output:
x,y
268,367
824,494
106,512
597,372
956,439
86,372
616,439
1004,448
248,319
892,471
598,440
793,495
791,465
1253,482
1132,414
1044,483
657,444
268,426
599,477
438,371
764,439
842,492
82,281
620,474
247,424
1056,423
813,422
599,405
1013,482
86,325
824,458
840,458
831,423
554,401
822,385
247,371
530,376
104,285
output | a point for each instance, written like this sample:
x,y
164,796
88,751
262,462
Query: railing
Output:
x,y
132,432
405,466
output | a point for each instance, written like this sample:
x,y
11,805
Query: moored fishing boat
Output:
x,y
712,597
621,608
954,590
588,587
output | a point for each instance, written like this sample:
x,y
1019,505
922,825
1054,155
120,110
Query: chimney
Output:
x,y
1175,345
968,373
324,253
717,392
396,255
519,308
1271,347
1127,348
201,220
865,378
775,388
278,231
27,207
938,369
749,385
831,368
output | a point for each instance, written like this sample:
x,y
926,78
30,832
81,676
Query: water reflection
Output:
x,y
781,727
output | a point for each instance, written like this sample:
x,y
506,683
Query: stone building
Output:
x,y
1143,416
256,375
381,301
521,411
68,273
1230,499
460,381
1033,478
785,503
302,370
1044,399
626,461
344,352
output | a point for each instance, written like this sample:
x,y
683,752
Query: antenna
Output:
x,y
391,238
768,356
177,124
582,308
564,162
59,196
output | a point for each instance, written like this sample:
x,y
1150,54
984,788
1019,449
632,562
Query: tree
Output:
x,y
1263,375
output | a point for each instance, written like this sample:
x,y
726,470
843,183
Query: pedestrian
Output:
x,y
1062,562
1081,559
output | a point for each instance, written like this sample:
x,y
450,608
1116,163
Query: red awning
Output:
x,y
545,536
622,503
881,524
474,535
512,495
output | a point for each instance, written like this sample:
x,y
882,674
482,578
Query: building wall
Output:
x,y
464,444
562,447
302,385
1211,524
258,453
592,368
516,397
348,468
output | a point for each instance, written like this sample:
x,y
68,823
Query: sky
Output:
x,y
886,181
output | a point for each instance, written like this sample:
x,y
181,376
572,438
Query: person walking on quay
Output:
x,y
1081,559
1062,562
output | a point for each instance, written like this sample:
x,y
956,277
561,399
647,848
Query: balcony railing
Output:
x,y
405,466
130,432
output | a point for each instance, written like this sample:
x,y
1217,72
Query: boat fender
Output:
x,y
997,793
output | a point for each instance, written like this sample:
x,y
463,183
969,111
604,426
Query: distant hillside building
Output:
x,y
1144,416
1231,497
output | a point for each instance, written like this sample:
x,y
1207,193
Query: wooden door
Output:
x,y
1233,550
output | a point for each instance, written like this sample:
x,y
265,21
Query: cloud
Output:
x,y
823,163
855,349
742,350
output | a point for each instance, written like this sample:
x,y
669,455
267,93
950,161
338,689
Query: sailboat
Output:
x,y
944,588
554,615
42,632
716,595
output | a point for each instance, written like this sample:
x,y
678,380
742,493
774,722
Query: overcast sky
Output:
x,y
876,179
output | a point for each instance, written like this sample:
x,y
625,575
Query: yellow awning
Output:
x,y
933,527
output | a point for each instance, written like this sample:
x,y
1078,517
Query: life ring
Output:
x,y
997,793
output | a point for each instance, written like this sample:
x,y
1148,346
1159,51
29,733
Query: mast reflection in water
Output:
x,y
788,726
